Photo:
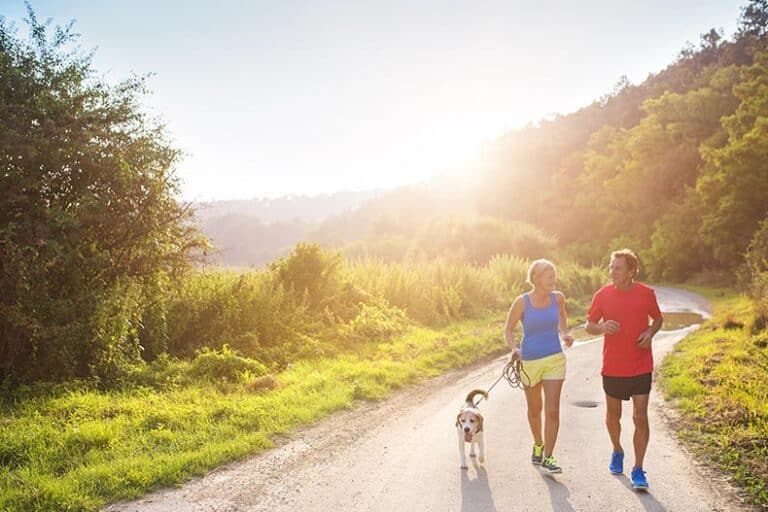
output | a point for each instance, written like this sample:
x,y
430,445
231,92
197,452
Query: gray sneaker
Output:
x,y
538,454
549,465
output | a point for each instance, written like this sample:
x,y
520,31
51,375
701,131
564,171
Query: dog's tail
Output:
x,y
473,393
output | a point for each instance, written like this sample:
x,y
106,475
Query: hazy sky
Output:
x,y
275,97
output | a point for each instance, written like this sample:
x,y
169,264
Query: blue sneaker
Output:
x,y
617,463
639,482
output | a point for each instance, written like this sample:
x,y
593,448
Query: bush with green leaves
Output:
x,y
213,308
225,364
88,216
378,322
312,274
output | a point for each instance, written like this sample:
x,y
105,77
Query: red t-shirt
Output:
x,y
631,308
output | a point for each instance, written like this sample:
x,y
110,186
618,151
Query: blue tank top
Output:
x,y
540,330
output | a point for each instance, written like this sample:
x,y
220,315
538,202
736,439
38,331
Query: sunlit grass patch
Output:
x,y
717,377
73,447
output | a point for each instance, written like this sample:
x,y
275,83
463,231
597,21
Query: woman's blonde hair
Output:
x,y
537,267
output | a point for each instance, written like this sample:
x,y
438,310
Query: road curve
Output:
x,y
401,454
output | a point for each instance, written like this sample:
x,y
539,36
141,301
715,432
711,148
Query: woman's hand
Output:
x,y
568,339
515,355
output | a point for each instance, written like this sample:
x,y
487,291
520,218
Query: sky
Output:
x,y
270,98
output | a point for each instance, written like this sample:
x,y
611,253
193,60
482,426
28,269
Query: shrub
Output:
x,y
311,272
255,384
224,364
375,323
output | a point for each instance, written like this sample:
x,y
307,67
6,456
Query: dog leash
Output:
x,y
510,373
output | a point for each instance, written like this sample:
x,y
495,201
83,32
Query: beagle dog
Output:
x,y
469,428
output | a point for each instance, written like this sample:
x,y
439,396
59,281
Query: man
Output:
x,y
620,312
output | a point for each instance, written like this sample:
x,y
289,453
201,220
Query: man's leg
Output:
x,y
613,421
552,389
642,431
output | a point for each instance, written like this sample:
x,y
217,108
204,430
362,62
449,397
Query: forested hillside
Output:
x,y
674,167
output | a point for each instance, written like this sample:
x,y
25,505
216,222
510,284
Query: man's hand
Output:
x,y
611,327
644,340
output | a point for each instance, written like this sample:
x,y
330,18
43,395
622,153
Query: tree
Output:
x,y
734,182
753,21
88,219
632,177
674,253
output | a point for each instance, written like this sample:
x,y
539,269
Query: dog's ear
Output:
x,y
458,419
479,423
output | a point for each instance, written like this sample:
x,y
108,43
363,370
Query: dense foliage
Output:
x,y
89,226
313,303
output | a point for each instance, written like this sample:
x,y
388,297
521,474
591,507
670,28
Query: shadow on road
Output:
x,y
649,502
476,493
558,494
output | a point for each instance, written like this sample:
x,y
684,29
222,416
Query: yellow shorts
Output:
x,y
547,368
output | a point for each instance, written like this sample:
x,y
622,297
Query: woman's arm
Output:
x,y
563,324
513,317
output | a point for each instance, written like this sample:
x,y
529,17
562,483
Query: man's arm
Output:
x,y
645,338
597,327
594,328
607,327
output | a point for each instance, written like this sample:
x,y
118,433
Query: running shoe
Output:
x,y
538,453
639,481
617,463
549,464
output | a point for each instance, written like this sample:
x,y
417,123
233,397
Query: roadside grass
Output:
x,y
72,447
718,377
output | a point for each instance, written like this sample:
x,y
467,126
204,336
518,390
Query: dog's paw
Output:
x,y
464,466
472,455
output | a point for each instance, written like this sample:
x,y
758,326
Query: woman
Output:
x,y
542,311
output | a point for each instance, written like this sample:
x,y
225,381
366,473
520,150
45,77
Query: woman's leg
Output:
x,y
552,390
533,400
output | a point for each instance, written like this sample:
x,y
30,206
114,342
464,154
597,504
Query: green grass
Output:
x,y
71,447
718,377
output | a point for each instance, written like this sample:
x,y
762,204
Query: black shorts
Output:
x,y
624,387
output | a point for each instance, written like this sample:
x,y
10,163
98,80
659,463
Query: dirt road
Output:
x,y
400,455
